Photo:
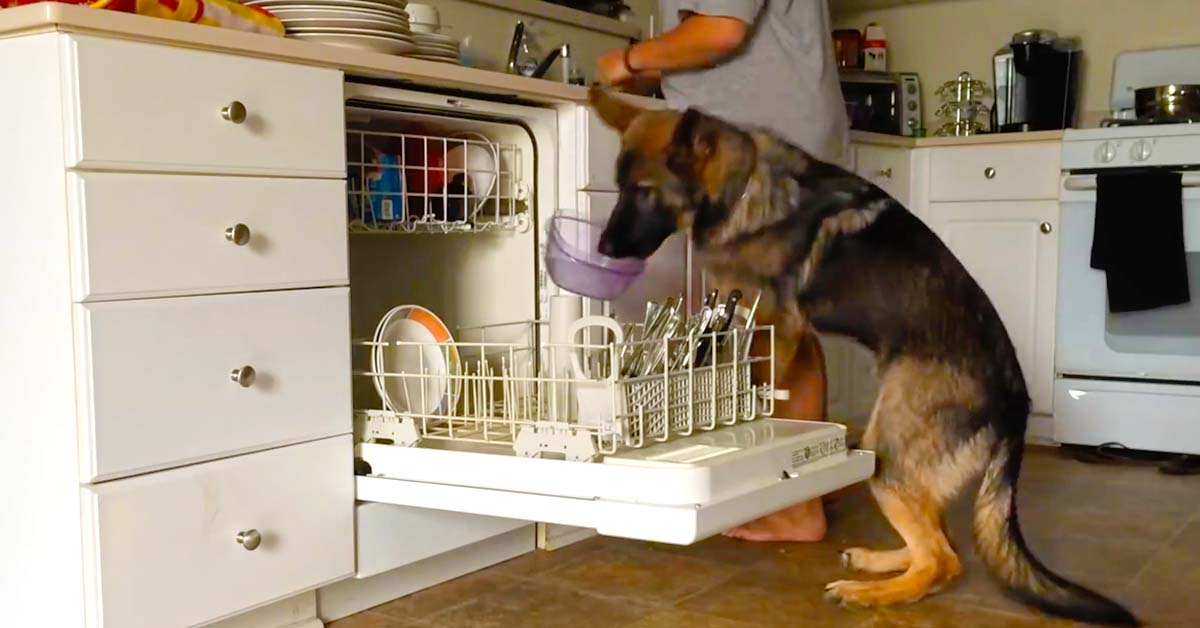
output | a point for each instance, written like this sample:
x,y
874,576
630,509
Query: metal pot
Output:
x,y
1167,102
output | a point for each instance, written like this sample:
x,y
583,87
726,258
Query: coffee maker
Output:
x,y
1036,82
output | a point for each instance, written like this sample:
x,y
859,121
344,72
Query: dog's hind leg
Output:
x,y
917,517
877,561
918,432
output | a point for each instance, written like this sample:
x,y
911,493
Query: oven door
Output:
x,y
1160,344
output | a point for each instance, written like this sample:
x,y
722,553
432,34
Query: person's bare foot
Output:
x,y
802,523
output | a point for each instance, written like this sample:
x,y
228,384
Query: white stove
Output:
x,y
1130,378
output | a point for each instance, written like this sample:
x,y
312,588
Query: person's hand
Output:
x,y
611,69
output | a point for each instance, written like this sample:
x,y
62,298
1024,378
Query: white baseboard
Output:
x,y
1040,430
356,595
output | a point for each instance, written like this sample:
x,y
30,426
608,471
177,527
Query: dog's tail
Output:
x,y
999,542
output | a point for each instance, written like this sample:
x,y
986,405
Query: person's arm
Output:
x,y
700,41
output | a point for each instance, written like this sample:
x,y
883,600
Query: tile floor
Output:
x,y
1130,532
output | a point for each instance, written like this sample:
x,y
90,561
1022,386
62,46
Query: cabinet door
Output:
x,y
887,167
1006,248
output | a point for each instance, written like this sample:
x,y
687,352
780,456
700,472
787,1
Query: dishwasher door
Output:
x,y
677,492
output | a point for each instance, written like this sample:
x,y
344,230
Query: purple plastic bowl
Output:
x,y
575,263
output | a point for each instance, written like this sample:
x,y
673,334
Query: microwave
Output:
x,y
882,102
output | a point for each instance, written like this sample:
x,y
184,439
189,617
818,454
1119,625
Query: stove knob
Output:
x,y
1106,152
1141,150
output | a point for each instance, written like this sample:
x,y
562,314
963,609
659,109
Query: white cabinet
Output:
x,y
182,547
136,455
1011,249
888,167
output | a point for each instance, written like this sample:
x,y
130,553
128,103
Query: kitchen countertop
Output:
x,y
881,139
53,16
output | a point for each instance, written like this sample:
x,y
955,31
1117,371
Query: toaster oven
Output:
x,y
882,102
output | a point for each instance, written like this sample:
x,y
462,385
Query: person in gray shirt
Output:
x,y
767,64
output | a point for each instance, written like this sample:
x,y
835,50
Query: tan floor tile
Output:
x,y
774,609
641,574
371,619
439,598
1168,589
724,550
676,618
538,562
531,605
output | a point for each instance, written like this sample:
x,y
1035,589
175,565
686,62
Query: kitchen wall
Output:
x,y
941,39
490,29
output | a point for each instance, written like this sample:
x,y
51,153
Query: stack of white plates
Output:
x,y
435,47
378,25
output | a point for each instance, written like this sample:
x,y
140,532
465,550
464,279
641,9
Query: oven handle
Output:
x,y
1087,182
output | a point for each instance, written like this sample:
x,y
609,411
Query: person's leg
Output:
x,y
803,376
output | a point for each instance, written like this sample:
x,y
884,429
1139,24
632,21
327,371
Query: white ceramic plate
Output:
x,y
453,60
343,22
389,45
337,13
435,38
436,356
332,30
436,51
406,394
303,11
371,5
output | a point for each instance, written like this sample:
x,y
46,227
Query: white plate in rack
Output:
x,y
389,45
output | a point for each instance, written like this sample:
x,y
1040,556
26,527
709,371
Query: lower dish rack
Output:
x,y
505,390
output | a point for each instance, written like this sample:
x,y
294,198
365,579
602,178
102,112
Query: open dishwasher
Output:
x,y
464,401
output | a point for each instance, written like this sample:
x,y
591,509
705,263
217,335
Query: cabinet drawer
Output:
x,y
887,167
163,548
981,173
599,148
138,235
148,107
156,386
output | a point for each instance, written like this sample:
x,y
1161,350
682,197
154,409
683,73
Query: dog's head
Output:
x,y
676,170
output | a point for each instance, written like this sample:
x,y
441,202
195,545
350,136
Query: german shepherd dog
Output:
x,y
834,252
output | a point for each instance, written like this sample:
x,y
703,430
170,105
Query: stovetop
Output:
x,y
1128,142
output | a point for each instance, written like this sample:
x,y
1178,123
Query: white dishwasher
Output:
x,y
674,456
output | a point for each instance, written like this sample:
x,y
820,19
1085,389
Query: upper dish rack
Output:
x,y
409,182
575,400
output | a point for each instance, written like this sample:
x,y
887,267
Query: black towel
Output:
x,y
1138,239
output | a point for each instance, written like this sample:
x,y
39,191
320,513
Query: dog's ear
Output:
x,y
716,153
615,112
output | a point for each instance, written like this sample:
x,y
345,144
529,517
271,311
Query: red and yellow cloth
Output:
x,y
223,13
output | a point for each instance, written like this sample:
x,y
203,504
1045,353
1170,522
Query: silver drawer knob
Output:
x,y
238,234
886,173
244,376
234,112
1045,227
249,539
989,172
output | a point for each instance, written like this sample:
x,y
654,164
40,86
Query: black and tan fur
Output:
x,y
837,254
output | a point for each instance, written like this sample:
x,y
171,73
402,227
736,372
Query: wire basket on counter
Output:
x,y
577,400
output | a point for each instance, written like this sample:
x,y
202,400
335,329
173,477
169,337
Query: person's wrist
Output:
x,y
629,62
